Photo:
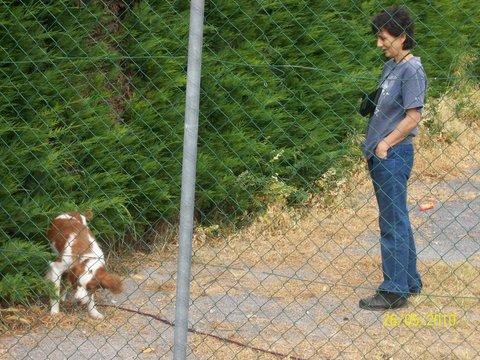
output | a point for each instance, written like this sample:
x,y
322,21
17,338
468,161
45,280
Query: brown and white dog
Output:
x,y
81,259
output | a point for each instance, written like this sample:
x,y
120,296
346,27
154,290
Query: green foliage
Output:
x,y
23,266
23,289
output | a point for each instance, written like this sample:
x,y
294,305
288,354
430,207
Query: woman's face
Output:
x,y
390,45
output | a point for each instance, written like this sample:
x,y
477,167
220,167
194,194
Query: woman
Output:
x,y
388,149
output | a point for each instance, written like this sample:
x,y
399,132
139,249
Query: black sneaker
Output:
x,y
383,300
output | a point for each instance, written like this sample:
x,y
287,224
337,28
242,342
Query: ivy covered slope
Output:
x,y
93,98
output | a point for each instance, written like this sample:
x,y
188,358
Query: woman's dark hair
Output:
x,y
397,21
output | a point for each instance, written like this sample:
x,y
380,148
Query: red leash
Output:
x,y
203,333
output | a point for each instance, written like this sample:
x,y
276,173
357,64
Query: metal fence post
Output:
x,y
188,177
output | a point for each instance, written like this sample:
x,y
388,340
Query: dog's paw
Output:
x,y
54,312
96,315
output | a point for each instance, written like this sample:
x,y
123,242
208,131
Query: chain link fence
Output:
x,y
286,236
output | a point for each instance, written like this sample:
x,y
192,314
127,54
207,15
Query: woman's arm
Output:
x,y
404,128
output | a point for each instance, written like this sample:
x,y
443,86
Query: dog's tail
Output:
x,y
111,282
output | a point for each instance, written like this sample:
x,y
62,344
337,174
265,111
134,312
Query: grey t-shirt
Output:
x,y
404,89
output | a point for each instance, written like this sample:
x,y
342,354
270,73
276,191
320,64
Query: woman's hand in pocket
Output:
x,y
382,149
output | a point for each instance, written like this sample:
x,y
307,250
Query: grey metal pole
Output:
x,y
192,108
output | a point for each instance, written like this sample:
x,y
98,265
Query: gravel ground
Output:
x,y
268,308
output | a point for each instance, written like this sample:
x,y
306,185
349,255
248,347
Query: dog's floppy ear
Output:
x,y
89,214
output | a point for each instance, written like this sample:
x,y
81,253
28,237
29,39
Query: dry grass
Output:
x,y
15,321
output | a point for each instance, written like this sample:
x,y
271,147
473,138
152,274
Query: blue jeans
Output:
x,y
399,256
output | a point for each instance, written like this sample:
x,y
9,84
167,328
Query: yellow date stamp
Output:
x,y
416,320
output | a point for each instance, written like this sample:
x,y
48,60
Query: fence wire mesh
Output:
x,y
286,238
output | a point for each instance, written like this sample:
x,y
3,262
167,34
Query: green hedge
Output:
x,y
22,266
